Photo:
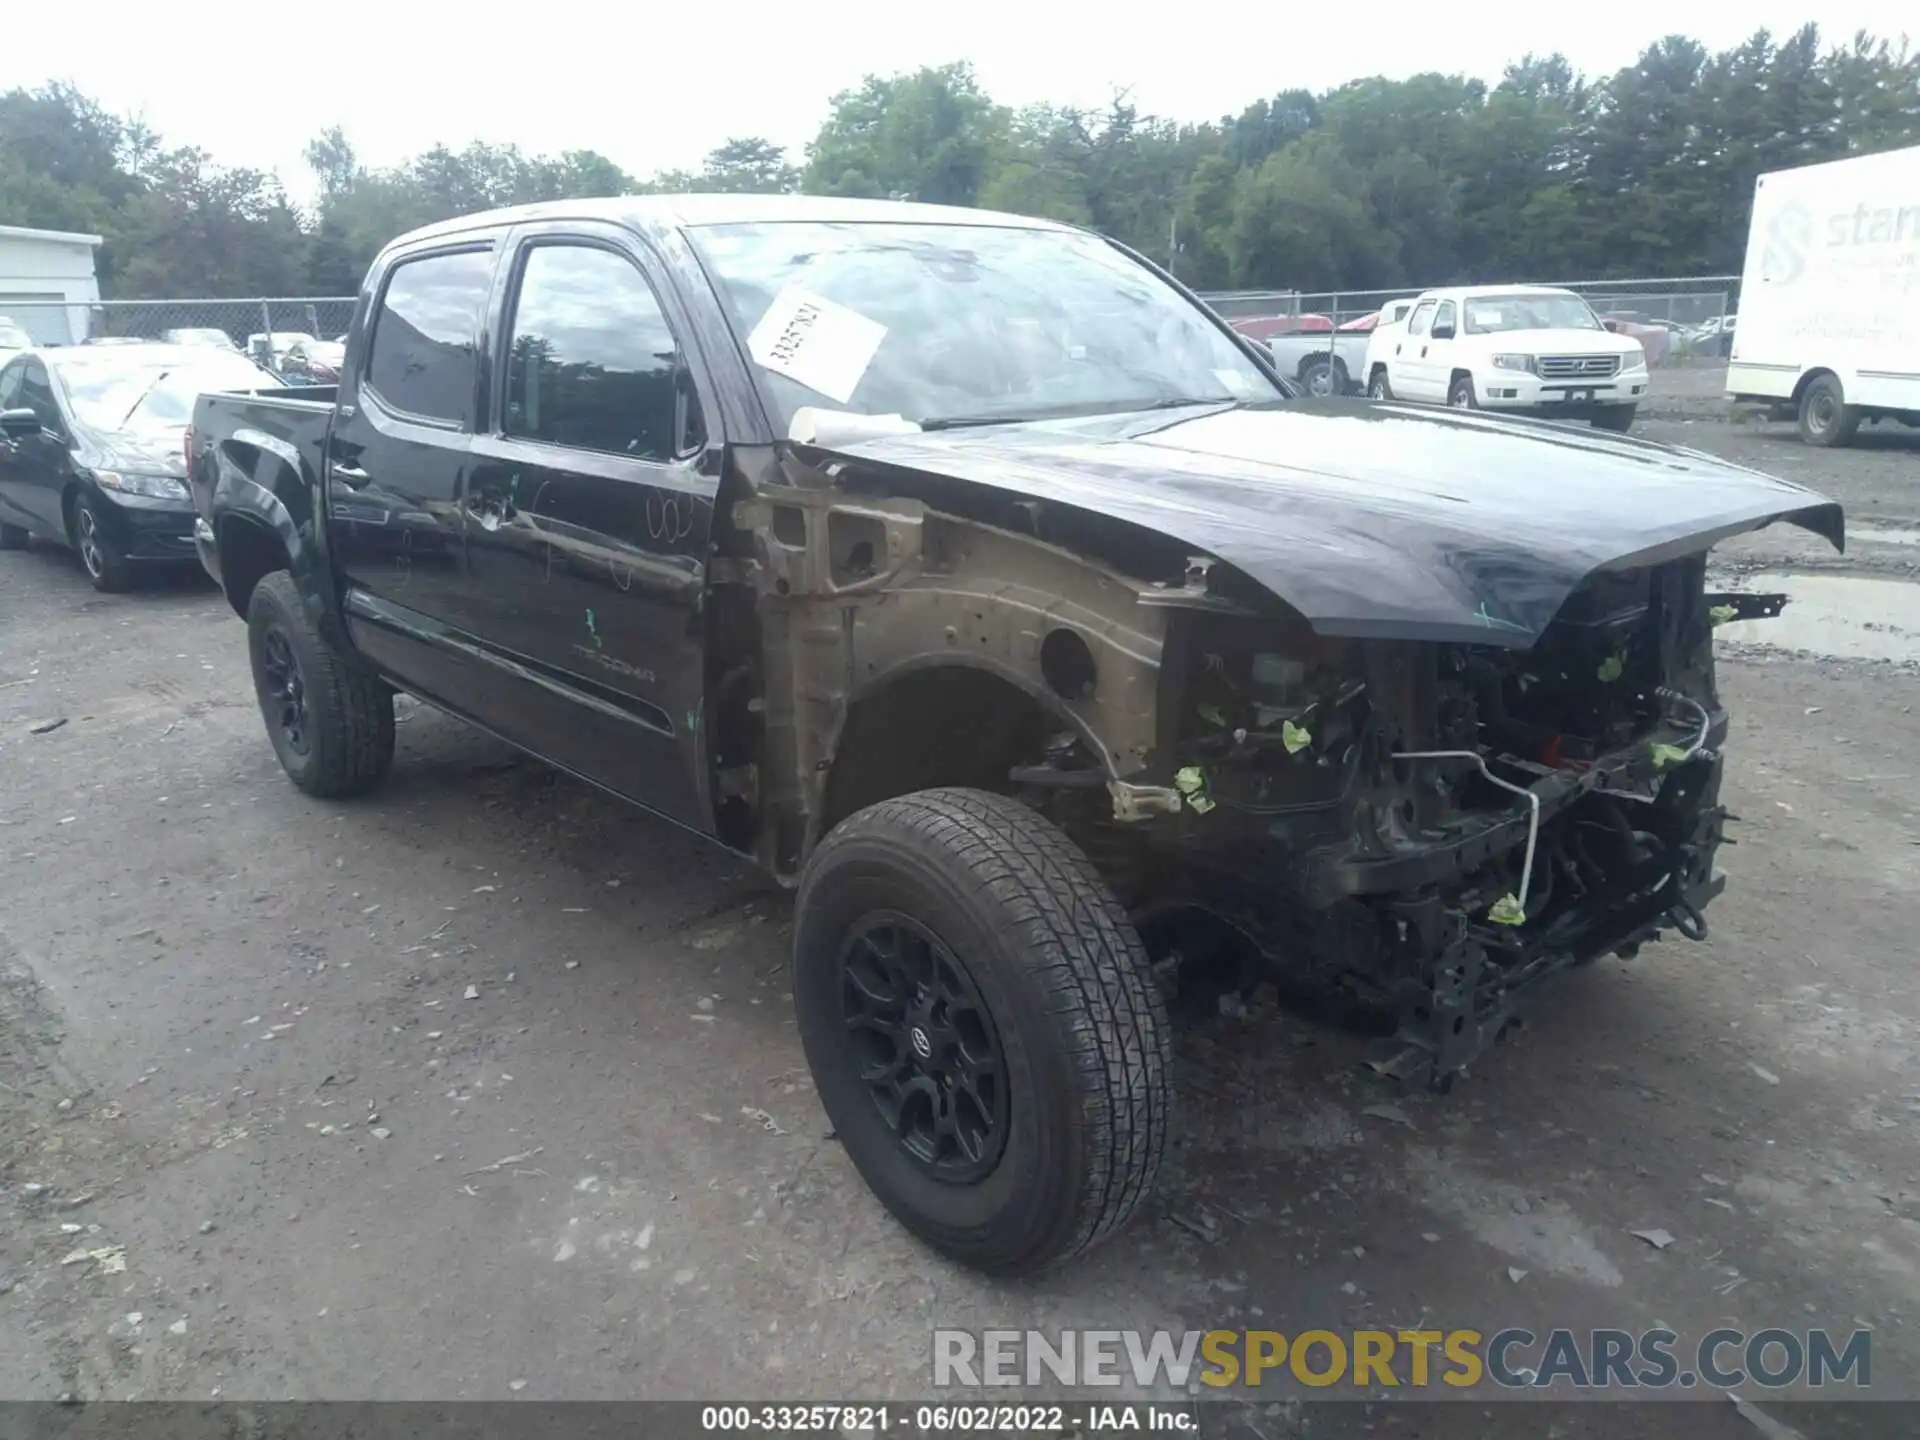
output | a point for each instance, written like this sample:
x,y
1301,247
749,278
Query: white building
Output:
x,y
47,282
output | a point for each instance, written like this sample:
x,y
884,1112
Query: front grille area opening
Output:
x,y
1577,367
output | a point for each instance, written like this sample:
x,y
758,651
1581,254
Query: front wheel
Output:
x,y
1460,394
1617,418
106,567
983,1028
331,725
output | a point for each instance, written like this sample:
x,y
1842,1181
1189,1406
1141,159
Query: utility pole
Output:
x,y
1333,336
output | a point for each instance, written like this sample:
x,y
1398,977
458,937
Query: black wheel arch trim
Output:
x,y
286,513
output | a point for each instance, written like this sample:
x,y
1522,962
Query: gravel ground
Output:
x,y
486,1087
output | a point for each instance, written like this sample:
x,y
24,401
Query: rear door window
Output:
x,y
424,336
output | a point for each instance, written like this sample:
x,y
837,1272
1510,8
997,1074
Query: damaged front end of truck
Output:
x,y
1430,831
1417,753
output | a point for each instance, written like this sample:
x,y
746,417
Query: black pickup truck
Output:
x,y
968,573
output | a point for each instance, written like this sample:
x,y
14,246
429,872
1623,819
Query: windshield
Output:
x,y
1496,314
154,393
966,323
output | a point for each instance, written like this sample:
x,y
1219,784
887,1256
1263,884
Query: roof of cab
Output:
x,y
670,212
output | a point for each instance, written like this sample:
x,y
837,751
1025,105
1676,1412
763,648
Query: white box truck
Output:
x,y
1830,296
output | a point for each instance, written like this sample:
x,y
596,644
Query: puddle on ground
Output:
x,y
1848,617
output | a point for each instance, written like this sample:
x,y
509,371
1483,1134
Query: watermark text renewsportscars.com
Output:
x,y
1513,1358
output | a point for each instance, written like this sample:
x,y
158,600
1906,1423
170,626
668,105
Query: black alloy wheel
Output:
x,y
101,559
283,692
926,1047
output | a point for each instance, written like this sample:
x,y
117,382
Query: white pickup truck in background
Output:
x,y
1386,333
1333,363
1830,295
1528,349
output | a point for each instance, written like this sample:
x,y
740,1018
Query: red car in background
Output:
x,y
1656,339
1266,327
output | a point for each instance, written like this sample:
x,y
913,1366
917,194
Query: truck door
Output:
x,y
588,512
397,456
1406,366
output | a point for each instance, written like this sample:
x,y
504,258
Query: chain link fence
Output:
x,y
265,327
1677,320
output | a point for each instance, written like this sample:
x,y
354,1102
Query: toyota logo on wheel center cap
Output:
x,y
922,1046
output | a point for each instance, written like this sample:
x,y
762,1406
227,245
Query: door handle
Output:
x,y
352,476
1423,352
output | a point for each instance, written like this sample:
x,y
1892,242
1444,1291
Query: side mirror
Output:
x,y
1442,332
1612,326
22,424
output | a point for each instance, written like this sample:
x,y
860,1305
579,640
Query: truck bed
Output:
x,y
296,415
294,397
1296,354
267,452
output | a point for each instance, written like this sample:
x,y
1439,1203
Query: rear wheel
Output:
x,y
331,725
1825,417
983,1027
1377,386
106,567
1618,418
1321,379
12,537
1460,394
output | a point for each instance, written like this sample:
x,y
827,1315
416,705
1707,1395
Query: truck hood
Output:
x,y
1550,342
1378,520
145,449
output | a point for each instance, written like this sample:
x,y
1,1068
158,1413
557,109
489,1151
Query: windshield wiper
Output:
x,y
127,418
962,422
1183,402
1077,412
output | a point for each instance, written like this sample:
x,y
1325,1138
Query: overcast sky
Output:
x,y
657,85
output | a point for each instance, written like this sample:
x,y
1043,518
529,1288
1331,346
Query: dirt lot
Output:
x,y
486,1087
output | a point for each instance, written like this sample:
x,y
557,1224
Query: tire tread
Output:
x,y
352,711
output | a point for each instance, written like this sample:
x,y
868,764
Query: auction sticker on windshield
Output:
x,y
811,339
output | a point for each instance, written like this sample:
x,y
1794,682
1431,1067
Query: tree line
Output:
x,y
1547,174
